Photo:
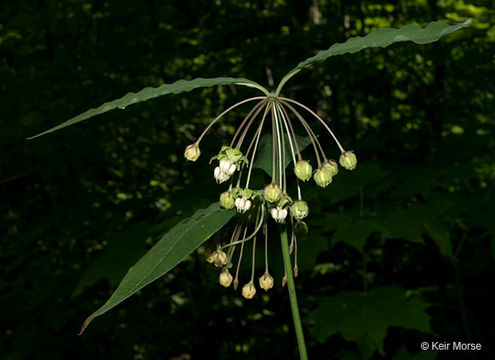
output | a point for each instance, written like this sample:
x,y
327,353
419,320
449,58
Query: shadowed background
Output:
x,y
412,227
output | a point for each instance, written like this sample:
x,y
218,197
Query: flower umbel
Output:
x,y
235,165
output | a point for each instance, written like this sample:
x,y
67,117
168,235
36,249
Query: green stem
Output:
x,y
256,86
292,294
284,80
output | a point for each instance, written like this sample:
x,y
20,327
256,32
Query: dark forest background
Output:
x,y
413,227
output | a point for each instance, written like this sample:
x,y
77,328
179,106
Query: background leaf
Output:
x,y
356,233
264,159
172,248
149,93
365,318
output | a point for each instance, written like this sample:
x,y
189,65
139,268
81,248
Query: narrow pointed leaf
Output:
x,y
381,38
173,247
149,93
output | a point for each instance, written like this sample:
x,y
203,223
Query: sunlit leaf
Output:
x,y
149,93
381,38
173,247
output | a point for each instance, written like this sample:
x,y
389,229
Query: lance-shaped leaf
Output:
x,y
380,38
149,93
173,247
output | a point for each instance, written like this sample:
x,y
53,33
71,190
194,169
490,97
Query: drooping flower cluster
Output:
x,y
256,206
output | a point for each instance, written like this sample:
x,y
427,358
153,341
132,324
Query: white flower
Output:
x,y
220,176
227,167
242,204
224,171
279,214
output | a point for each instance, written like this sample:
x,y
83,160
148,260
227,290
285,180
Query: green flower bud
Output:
x,y
227,200
299,209
348,160
332,166
225,278
300,228
266,281
303,170
322,177
248,290
272,192
192,152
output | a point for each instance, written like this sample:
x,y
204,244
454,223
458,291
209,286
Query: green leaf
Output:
x,y
441,237
380,38
365,318
149,93
264,158
356,233
173,247
124,248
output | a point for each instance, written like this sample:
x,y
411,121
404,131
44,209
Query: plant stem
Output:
x,y
292,294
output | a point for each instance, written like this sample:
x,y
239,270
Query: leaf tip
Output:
x,y
86,323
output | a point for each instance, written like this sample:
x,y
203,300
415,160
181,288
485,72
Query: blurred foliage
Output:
x,y
81,206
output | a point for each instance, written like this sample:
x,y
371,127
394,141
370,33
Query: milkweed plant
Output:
x,y
253,208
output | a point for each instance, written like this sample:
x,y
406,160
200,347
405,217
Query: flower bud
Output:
x,y
332,166
272,192
266,281
322,177
303,170
242,204
227,200
248,290
219,258
225,278
279,214
299,209
300,228
192,152
348,160
210,257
